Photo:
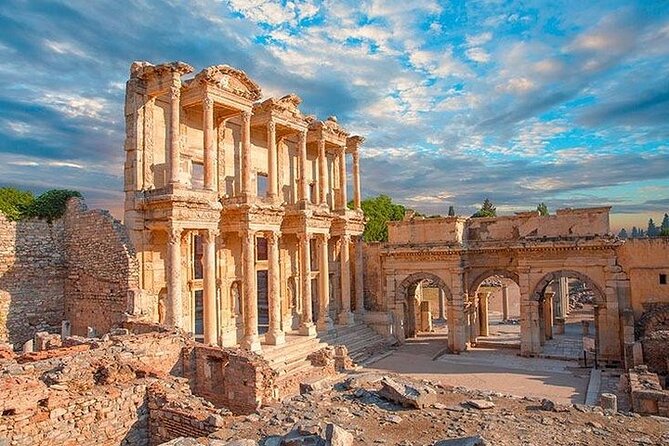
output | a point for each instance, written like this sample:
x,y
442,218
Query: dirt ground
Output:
x,y
512,421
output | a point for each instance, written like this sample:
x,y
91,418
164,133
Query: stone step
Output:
x,y
293,345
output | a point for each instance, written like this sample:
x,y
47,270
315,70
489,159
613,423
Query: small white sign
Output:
x,y
588,344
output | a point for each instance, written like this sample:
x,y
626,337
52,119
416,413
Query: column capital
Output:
x,y
246,116
324,237
174,234
207,102
345,237
271,125
355,154
302,236
272,237
209,234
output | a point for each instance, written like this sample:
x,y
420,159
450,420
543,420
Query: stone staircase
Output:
x,y
363,345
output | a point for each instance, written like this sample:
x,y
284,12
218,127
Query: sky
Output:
x,y
562,102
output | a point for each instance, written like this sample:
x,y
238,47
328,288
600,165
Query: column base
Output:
x,y
251,343
346,318
325,324
359,316
229,338
276,338
308,329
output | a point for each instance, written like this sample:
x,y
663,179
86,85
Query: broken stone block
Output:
x,y
337,436
216,420
609,401
481,404
464,441
241,443
552,406
28,346
181,441
405,395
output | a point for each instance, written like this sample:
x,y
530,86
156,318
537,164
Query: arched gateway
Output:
x,y
405,296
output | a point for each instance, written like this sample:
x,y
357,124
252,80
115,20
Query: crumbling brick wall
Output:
x,y
233,378
102,269
32,278
86,396
646,393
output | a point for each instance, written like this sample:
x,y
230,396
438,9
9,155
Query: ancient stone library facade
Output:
x,y
237,232
237,207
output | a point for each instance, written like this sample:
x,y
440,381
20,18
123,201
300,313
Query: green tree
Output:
x,y
664,233
451,211
652,230
50,205
622,234
378,212
635,232
487,210
665,223
13,202
542,208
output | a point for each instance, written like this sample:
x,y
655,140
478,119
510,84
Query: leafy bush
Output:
x,y
14,201
50,205
17,204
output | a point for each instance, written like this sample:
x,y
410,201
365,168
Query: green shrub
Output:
x,y
50,205
14,201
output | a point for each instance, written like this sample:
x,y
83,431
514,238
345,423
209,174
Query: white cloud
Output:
x,y
439,63
533,138
478,39
76,106
478,55
517,85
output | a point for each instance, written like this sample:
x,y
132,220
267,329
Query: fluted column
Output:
x,y
322,173
209,285
174,313
303,186
356,179
345,316
250,294
274,335
342,179
247,190
324,321
208,136
174,132
272,161
307,327
359,290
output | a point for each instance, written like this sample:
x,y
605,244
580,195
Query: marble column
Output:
x,y
442,304
174,313
307,327
324,320
345,316
548,314
209,285
174,133
356,180
303,192
322,173
483,314
272,192
208,136
247,189
505,303
251,341
359,286
342,179
275,335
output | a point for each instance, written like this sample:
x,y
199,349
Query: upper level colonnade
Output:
x,y
211,132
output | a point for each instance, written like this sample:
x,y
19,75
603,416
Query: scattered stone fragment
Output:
x,y
481,404
465,441
405,395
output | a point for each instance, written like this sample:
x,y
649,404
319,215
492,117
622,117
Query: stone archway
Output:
x,y
406,291
477,311
538,319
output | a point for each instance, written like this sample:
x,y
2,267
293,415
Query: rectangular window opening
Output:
x,y
263,184
261,249
663,279
198,255
197,175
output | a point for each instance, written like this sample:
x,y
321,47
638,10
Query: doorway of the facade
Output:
x,y
424,308
263,301
492,314
568,317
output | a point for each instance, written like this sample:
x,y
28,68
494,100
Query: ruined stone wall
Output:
x,y
86,396
102,271
232,378
587,222
32,278
643,260
373,277
429,230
